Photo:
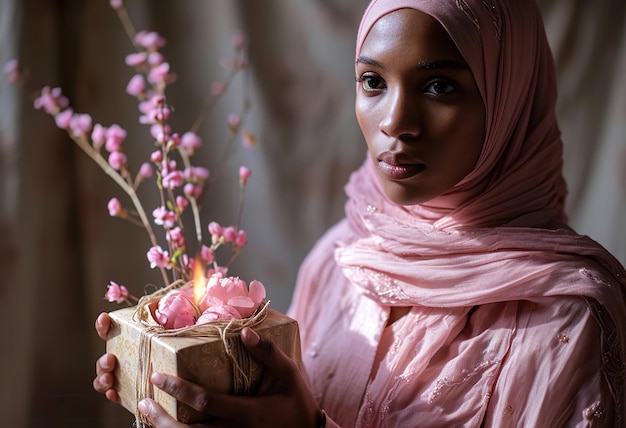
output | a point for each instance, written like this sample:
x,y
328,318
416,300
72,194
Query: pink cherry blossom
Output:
x,y
161,114
173,179
145,106
181,203
161,74
160,132
207,254
229,234
190,142
63,119
136,59
234,292
146,170
161,137
80,125
192,191
115,137
155,58
115,207
176,309
158,257
175,236
98,135
116,4
169,165
244,175
156,156
149,40
117,160
136,85
173,141
116,293
164,217
51,100
155,112
216,231
196,174
241,240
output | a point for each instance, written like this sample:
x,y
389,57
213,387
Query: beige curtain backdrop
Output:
x,y
58,246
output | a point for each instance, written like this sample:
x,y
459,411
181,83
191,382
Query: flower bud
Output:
x,y
145,171
136,86
229,234
63,119
244,175
115,208
117,160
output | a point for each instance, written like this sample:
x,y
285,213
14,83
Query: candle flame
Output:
x,y
199,280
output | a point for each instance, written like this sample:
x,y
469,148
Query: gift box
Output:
x,y
201,360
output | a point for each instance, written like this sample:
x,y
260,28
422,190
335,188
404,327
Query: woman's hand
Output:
x,y
105,365
283,399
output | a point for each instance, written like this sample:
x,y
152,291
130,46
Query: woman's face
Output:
x,y
418,107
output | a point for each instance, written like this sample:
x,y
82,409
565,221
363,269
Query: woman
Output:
x,y
453,294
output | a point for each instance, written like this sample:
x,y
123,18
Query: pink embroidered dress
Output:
x,y
515,320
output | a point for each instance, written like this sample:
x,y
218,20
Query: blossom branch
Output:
x,y
126,187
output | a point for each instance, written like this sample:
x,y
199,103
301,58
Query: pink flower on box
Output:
x,y
230,298
176,309
216,313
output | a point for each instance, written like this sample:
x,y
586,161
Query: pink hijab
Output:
x,y
505,46
507,242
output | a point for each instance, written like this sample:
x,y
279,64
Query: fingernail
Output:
x,y
158,379
104,382
104,362
250,336
143,407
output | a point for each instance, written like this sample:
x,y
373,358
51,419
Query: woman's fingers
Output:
x,y
103,323
104,379
104,383
214,405
277,365
157,416
105,364
194,395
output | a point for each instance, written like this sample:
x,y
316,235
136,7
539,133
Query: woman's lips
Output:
x,y
400,171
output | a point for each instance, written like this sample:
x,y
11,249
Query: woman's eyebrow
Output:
x,y
423,65
368,61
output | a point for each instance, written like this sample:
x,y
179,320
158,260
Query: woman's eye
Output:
x,y
371,82
440,87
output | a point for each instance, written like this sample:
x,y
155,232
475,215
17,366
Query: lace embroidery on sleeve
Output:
x,y
612,363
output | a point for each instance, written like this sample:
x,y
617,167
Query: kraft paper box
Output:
x,y
200,360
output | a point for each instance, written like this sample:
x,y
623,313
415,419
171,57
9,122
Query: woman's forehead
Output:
x,y
410,32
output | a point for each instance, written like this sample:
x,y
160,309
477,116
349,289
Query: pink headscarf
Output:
x,y
505,45
507,242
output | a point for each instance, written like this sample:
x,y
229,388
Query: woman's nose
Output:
x,y
401,118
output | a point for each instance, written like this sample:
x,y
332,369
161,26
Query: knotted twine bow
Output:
x,y
226,330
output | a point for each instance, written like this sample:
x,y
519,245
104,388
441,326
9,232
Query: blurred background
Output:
x,y
59,248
